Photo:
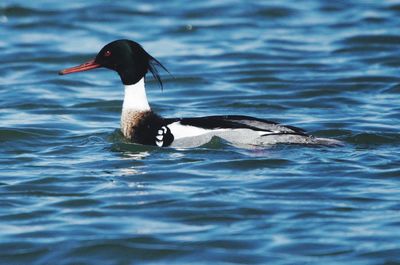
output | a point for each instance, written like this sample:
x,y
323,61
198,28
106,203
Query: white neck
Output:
x,y
135,98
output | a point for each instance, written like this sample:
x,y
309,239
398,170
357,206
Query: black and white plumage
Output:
x,y
141,125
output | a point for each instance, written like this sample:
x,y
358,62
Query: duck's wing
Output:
x,y
205,124
238,130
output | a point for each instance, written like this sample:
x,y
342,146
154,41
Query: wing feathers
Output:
x,y
239,122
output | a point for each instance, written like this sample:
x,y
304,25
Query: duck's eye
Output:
x,y
107,53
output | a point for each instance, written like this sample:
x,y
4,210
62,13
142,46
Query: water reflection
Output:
x,y
134,169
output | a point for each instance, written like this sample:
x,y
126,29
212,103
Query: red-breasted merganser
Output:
x,y
141,125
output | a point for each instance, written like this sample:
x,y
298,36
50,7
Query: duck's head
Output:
x,y
126,57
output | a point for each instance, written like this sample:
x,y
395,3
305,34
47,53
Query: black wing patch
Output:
x,y
240,122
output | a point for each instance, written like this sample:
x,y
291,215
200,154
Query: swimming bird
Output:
x,y
141,125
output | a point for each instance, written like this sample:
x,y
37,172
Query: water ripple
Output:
x,y
73,190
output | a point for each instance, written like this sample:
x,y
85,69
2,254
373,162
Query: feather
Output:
x,y
153,63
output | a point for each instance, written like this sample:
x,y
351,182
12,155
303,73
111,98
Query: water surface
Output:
x,y
73,191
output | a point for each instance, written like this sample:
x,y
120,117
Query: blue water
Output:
x,y
73,191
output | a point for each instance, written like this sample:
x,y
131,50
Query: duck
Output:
x,y
140,125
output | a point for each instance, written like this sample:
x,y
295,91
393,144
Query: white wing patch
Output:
x,y
181,131
271,132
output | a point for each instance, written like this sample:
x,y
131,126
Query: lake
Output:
x,y
74,191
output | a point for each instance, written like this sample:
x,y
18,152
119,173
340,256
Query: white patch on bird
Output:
x,y
181,131
263,133
135,98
